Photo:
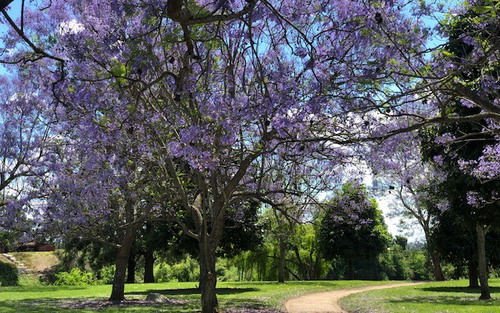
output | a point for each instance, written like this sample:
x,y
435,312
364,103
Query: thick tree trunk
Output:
x,y
118,291
149,262
131,268
282,261
473,273
483,270
208,278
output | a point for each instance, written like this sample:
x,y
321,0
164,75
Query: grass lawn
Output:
x,y
56,299
442,297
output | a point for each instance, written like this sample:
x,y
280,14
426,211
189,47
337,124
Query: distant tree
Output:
x,y
401,241
352,228
399,166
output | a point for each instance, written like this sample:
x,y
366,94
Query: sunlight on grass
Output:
x,y
39,298
442,297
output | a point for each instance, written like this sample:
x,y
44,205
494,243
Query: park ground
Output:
x,y
436,297
446,297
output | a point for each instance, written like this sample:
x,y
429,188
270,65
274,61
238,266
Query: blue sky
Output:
x,y
14,11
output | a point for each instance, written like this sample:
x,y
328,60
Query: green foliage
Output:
x,y
394,264
353,229
75,277
226,271
259,264
6,239
106,274
184,271
417,263
9,275
30,281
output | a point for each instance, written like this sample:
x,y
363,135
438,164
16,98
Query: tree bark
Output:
x,y
434,256
436,265
131,268
208,277
483,270
122,257
282,260
473,273
149,262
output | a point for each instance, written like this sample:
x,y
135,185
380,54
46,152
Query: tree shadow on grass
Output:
x,y
72,305
493,290
191,291
43,289
445,300
244,304
328,283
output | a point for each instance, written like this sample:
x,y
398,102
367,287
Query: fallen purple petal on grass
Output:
x,y
100,304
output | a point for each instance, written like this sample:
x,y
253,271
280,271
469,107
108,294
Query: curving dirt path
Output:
x,y
327,302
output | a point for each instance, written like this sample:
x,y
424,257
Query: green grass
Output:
x,y
41,299
443,297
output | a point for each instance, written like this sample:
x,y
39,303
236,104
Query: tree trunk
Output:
x,y
436,265
483,270
282,261
433,256
208,277
118,291
473,273
131,268
149,262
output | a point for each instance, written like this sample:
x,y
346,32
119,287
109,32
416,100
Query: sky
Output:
x,y
14,11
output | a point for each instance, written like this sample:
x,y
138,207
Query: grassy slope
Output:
x,y
37,261
443,297
38,299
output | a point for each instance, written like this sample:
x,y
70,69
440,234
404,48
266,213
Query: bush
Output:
x,y
9,275
417,263
226,271
183,271
107,274
75,277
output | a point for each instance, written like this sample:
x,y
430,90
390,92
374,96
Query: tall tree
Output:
x,y
352,228
463,190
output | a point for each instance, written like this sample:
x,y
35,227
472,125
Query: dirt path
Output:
x,y
327,302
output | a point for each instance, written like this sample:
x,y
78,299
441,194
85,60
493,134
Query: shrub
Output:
x,y
417,263
183,271
9,275
107,274
226,271
75,277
